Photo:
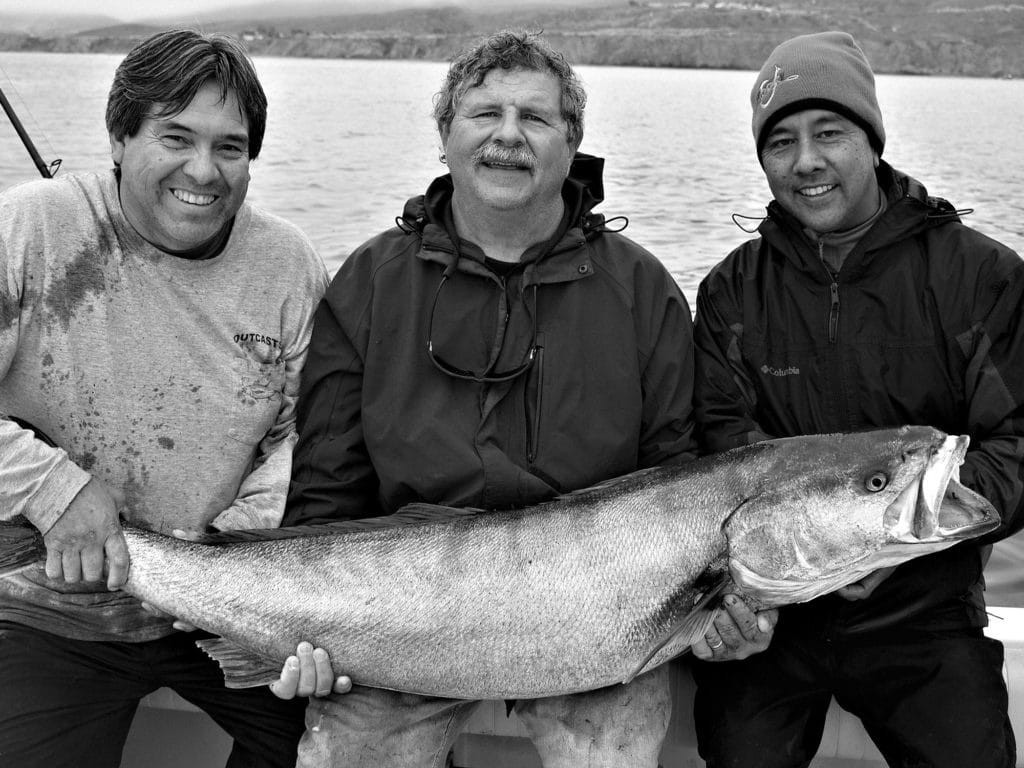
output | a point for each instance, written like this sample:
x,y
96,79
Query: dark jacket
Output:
x,y
922,325
609,389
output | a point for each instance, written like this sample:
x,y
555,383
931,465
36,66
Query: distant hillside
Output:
x,y
50,24
950,37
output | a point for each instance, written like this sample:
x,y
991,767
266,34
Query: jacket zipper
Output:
x,y
533,438
833,312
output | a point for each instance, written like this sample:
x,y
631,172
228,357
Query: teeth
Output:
x,y
193,199
815,191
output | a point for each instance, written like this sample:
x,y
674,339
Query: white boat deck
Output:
x,y
170,733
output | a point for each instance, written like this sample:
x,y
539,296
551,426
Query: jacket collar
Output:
x,y
911,210
430,215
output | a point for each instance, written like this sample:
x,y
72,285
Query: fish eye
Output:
x,y
876,481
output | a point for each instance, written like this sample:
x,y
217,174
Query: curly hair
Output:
x,y
170,67
511,49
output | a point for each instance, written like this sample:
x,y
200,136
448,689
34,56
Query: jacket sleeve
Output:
x,y
725,399
260,502
332,477
994,388
668,428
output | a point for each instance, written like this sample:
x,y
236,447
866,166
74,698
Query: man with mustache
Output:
x,y
865,302
153,324
501,345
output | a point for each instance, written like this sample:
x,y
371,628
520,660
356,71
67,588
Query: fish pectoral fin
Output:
x,y
421,512
691,626
605,486
242,668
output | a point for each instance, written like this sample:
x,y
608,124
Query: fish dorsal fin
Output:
x,y
242,668
693,625
606,485
411,514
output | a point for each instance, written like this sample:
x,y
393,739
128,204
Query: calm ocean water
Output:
x,y
348,141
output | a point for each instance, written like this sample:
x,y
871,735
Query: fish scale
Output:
x,y
577,593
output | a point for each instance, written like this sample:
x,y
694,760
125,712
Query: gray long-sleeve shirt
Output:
x,y
169,379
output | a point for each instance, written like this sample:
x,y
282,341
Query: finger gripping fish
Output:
x,y
580,592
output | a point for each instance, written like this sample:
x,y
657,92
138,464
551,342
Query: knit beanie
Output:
x,y
827,70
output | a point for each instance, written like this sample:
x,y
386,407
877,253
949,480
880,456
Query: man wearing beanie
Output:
x,y
864,303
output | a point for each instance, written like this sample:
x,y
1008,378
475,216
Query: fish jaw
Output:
x,y
930,512
938,508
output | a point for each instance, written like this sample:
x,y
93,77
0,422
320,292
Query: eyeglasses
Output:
x,y
489,375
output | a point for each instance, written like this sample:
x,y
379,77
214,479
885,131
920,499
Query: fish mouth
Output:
x,y
938,507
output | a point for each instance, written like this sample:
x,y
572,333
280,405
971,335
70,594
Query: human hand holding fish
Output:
x,y
737,632
87,539
861,590
309,673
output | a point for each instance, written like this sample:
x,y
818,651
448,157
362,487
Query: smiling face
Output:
x,y
183,177
821,168
507,146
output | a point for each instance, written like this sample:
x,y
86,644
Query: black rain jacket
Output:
x,y
609,389
922,325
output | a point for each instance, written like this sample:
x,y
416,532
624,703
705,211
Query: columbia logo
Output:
x,y
790,371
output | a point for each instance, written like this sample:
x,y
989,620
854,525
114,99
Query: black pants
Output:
x,y
927,699
71,703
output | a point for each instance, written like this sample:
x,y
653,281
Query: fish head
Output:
x,y
834,508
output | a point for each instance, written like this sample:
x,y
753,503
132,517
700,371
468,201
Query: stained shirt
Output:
x,y
169,379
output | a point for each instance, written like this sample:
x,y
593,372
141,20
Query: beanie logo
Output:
x,y
766,91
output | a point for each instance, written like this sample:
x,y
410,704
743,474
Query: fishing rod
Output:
x,y
43,168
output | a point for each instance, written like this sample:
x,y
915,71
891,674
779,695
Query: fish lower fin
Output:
x,y
21,545
693,625
242,668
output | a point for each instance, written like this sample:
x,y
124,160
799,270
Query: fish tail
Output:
x,y
21,545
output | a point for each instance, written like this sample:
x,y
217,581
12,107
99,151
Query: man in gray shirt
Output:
x,y
154,325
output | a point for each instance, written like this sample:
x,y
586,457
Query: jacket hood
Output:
x,y
582,191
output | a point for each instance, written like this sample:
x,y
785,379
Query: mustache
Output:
x,y
495,153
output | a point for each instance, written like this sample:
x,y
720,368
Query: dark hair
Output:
x,y
510,49
170,67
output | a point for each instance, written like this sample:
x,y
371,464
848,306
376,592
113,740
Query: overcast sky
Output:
x,y
127,10
134,10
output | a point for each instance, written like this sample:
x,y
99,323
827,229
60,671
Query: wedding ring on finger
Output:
x,y
716,644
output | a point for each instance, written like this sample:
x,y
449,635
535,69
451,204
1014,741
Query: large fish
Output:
x,y
577,593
